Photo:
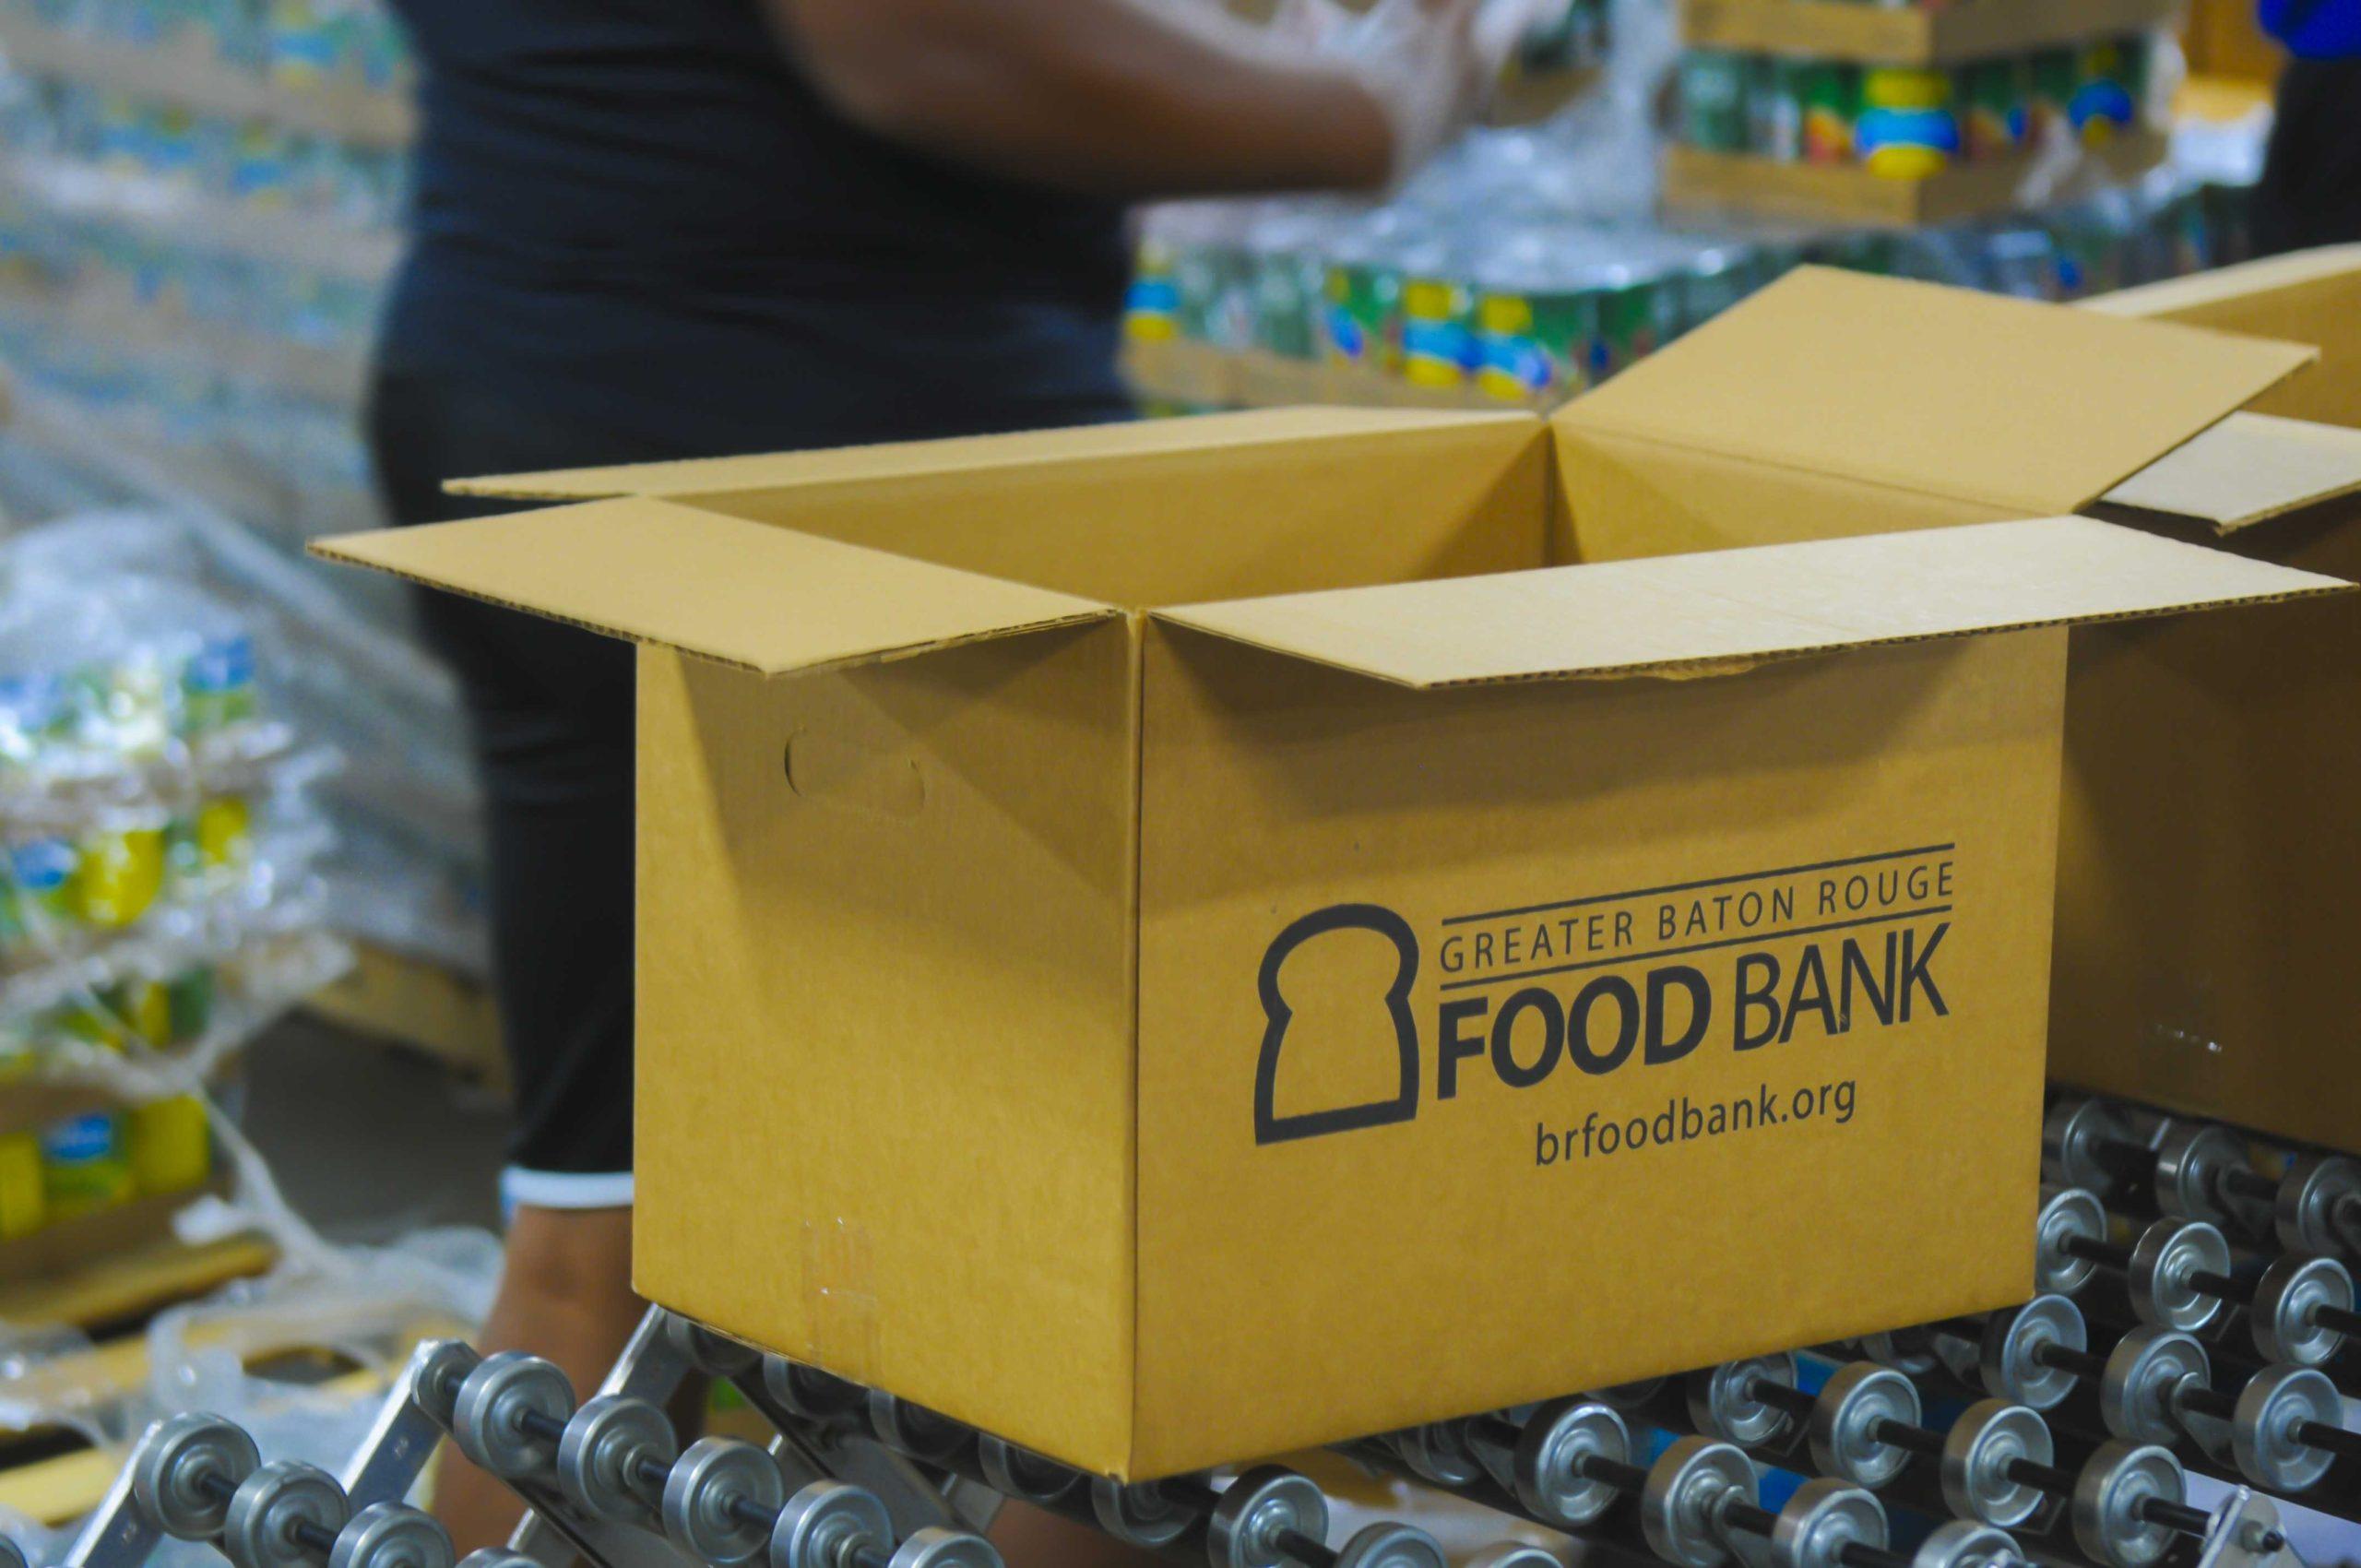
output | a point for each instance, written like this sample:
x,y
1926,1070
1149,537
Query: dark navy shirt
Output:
x,y
641,216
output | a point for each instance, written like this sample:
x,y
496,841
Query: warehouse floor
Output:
x,y
369,1142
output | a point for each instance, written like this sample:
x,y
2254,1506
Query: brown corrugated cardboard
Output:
x,y
2247,470
2208,863
2306,297
1162,1050
1910,35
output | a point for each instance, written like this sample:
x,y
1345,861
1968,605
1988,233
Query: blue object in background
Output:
x,y
2315,30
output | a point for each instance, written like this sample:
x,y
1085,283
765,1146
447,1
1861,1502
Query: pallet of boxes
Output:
x,y
1910,113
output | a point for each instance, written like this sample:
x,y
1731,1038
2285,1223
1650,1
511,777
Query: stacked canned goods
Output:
x,y
88,1165
1908,122
156,901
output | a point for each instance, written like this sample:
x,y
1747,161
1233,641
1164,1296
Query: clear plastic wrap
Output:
x,y
1528,263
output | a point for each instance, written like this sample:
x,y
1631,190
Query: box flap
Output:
x,y
2029,408
760,598
2247,469
1719,613
902,459
2199,292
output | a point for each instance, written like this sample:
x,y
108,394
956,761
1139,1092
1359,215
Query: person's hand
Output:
x,y
1430,65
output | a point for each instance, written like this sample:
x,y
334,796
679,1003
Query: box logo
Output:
x,y
1270,1127
1642,978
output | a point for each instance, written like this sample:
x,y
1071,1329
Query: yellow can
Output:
x,y
22,1209
122,872
83,1167
170,1145
225,833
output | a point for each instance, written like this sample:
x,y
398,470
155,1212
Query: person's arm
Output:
x,y
1132,97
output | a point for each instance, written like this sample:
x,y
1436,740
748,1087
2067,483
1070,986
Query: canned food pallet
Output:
x,y
419,1006
1911,32
1702,180
115,1287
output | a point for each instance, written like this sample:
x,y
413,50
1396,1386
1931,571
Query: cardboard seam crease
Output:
x,y
1340,423
1573,431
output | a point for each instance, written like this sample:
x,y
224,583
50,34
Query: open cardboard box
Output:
x,y
2210,874
2210,885
1184,940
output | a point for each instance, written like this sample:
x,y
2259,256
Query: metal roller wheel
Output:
x,y
1549,1458
1680,1508
2010,1367
708,1350
1138,1513
259,1529
1439,1454
817,1396
601,1444
13,1556
496,1557
1820,1520
2163,1257
934,1547
697,1494
1021,1473
1910,1354
2275,1402
1961,1543
823,1523
1256,1511
2190,1158
389,1534
2137,1396
913,1428
1391,1546
173,1456
1718,1401
2108,1495
2291,1291
2071,1136
2310,1195
1505,1554
437,1372
1977,1454
2065,1212
492,1398
1844,1420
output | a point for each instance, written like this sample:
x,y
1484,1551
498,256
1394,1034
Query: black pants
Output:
x,y
549,709
2310,190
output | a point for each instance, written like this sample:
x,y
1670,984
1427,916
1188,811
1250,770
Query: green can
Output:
x,y
1362,323
1534,345
1999,98
1714,99
1774,106
2052,73
1832,91
1632,314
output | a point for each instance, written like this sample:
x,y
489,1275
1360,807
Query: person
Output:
x,y
665,229
2310,190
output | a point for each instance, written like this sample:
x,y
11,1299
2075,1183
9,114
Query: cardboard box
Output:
x,y
1699,180
2306,297
2212,879
1158,940
1910,35
2210,865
